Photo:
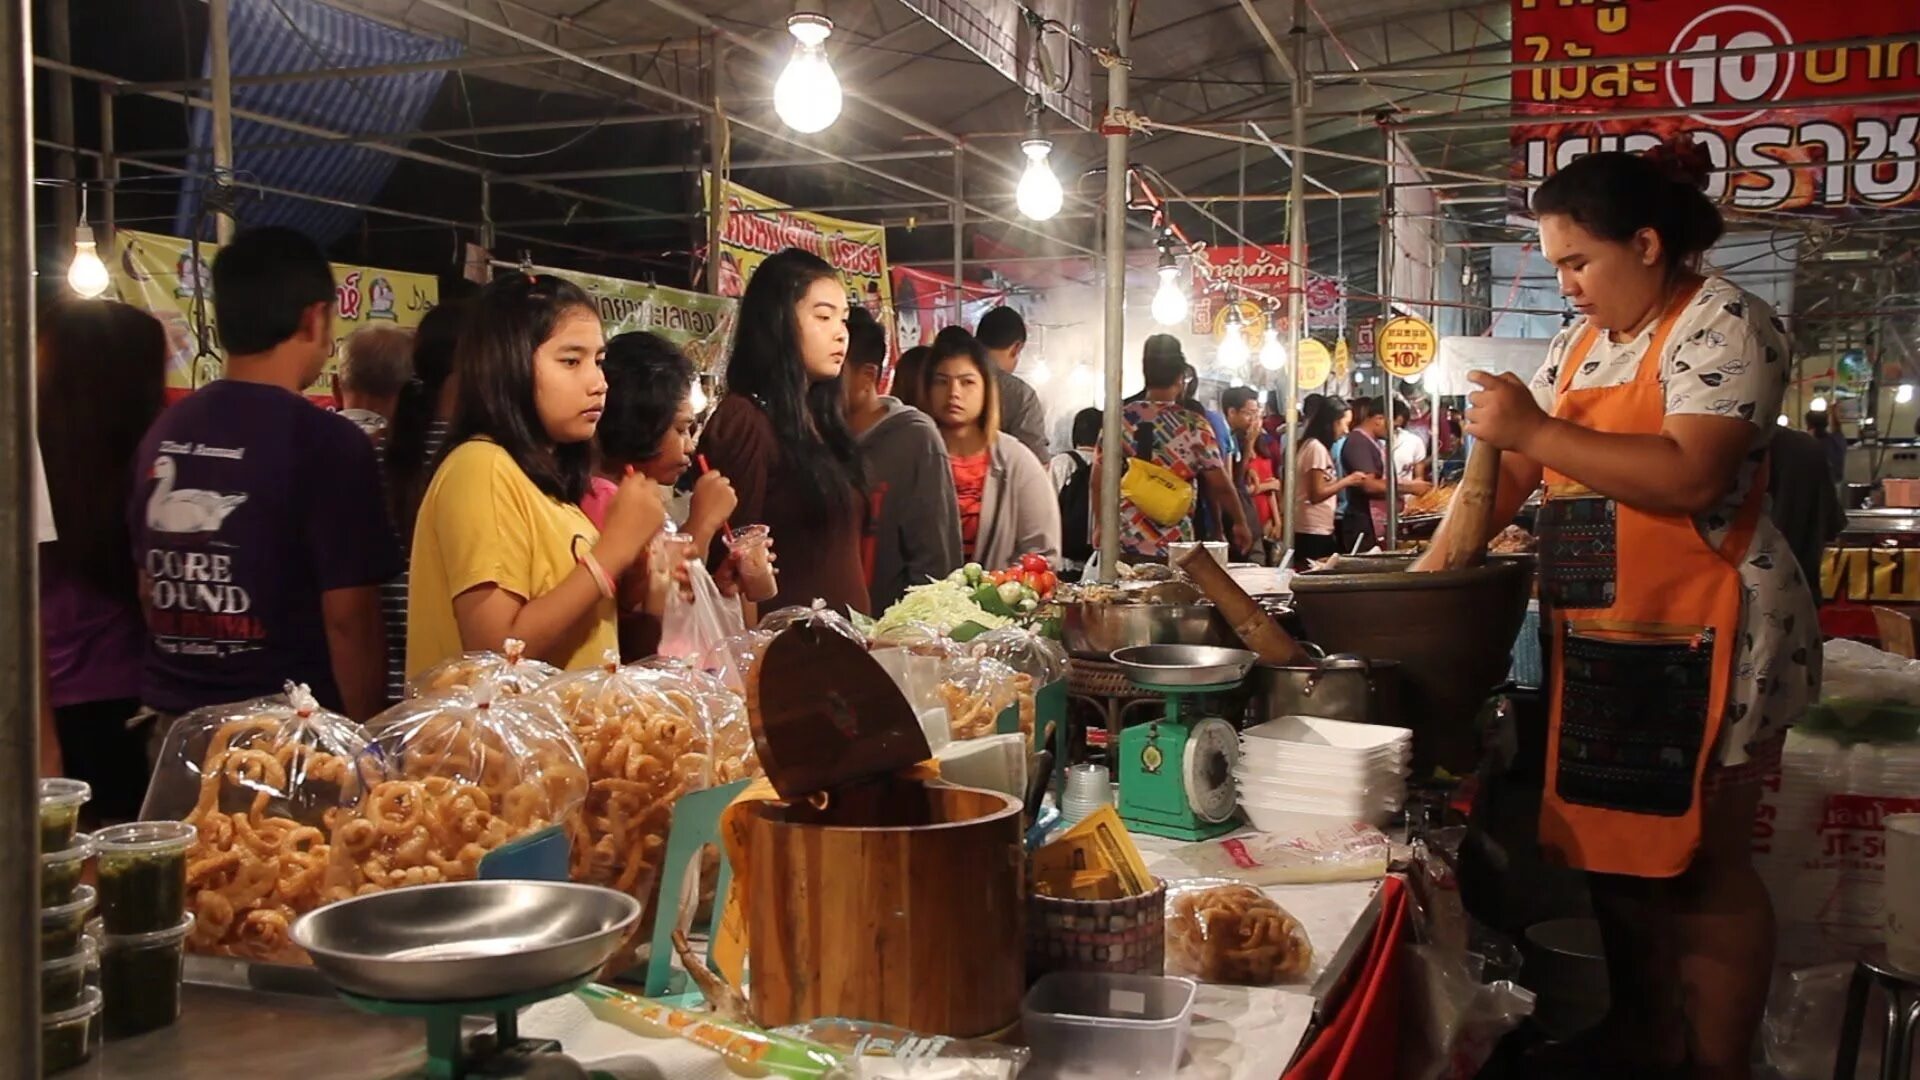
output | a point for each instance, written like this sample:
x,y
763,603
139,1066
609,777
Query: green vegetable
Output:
x,y
987,598
1011,592
967,631
942,605
1027,604
974,572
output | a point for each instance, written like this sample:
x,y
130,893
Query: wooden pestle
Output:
x,y
1465,528
1250,623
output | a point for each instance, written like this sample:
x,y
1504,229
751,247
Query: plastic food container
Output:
x,y
61,927
60,871
1389,790
60,803
66,1037
140,975
63,980
1275,815
1281,766
1310,732
143,875
1108,1025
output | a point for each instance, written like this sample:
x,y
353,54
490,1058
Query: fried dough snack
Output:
x,y
976,691
1435,501
648,735
269,780
510,672
466,774
1233,933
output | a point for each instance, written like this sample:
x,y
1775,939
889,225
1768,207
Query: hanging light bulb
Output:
x,y
1819,403
1170,301
1039,194
1232,356
1273,355
1781,420
1904,394
697,398
86,275
807,95
1040,374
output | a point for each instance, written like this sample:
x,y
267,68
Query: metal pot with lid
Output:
x,y
1337,687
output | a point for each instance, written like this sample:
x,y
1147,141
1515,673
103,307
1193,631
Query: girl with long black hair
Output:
x,y
781,434
501,548
1314,515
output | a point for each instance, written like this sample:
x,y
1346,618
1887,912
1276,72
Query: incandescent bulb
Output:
x,y
1904,394
1273,355
1233,350
1819,403
697,398
1169,302
807,95
1782,421
1039,194
86,275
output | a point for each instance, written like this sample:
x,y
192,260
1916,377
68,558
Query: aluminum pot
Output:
x,y
1342,687
1096,630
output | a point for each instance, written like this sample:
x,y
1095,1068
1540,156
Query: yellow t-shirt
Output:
x,y
483,522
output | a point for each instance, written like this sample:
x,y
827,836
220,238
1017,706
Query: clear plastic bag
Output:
x,y
878,1051
509,672
1024,650
1222,931
915,654
1356,852
263,783
976,691
733,658
698,620
1866,696
467,772
817,614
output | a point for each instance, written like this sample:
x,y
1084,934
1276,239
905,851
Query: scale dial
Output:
x,y
1207,771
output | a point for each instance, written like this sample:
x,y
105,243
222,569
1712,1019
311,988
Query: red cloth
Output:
x,y
1361,1041
970,485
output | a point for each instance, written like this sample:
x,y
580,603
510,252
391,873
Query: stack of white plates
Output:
x,y
1306,767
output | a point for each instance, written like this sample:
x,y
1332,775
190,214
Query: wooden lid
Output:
x,y
825,713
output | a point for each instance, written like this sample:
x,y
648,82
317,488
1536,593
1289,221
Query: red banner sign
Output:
x,y
1748,109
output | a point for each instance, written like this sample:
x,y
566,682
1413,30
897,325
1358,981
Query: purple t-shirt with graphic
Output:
x,y
248,503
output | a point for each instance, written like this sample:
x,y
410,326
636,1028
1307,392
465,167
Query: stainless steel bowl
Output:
x,y
1093,630
465,940
1184,665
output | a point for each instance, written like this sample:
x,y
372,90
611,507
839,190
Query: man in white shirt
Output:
x,y
1409,449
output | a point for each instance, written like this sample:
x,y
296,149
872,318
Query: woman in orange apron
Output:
x,y
1683,633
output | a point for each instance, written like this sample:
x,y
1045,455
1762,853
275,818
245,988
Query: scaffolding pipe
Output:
x,y
1112,453
1296,275
20,625
678,167
1390,71
60,94
222,105
109,170
959,238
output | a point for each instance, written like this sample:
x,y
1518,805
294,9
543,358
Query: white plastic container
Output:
x,y
1334,734
1391,792
1107,1025
1281,767
1273,813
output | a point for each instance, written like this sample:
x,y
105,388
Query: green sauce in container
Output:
x,y
63,981
140,976
60,802
61,927
143,875
66,1037
60,871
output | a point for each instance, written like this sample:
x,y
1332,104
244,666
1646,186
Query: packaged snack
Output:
x,y
975,691
465,773
1344,852
733,658
510,672
263,783
647,736
817,614
884,1051
1225,932
1024,650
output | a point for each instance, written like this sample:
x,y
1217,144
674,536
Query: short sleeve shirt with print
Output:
x,y
970,489
1728,356
1184,442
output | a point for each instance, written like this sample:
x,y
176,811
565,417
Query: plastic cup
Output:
x,y
140,975
757,576
60,871
61,927
60,802
63,981
66,1037
143,875
1089,787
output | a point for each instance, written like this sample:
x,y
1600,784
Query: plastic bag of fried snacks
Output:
x,y
466,773
509,672
263,783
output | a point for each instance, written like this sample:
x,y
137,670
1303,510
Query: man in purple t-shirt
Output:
x,y
257,520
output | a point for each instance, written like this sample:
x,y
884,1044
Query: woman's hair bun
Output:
x,y
1683,161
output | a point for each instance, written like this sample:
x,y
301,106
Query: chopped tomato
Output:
x,y
1033,562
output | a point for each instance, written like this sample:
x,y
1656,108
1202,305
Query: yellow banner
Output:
x,y
757,226
700,325
157,274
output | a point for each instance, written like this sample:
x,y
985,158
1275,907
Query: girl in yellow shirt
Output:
x,y
501,549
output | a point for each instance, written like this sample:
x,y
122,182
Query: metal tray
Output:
x,y
467,940
1184,665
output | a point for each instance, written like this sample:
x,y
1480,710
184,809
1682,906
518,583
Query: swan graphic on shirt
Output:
x,y
185,510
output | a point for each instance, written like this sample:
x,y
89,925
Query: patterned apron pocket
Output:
x,y
1579,552
1633,717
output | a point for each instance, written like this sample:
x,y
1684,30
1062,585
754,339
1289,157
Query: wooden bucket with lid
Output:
x,y
871,895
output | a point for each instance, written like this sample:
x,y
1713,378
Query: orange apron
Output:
x,y
1644,619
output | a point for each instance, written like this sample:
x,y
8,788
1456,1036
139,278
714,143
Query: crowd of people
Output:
x,y
504,471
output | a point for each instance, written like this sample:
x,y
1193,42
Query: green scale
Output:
x,y
1176,775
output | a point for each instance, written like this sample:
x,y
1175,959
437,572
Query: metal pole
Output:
x,y
1297,275
222,93
1112,453
717,138
486,214
959,238
673,168
60,93
109,172
20,625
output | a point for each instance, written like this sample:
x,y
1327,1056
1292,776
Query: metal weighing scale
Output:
x,y
1176,774
499,1053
